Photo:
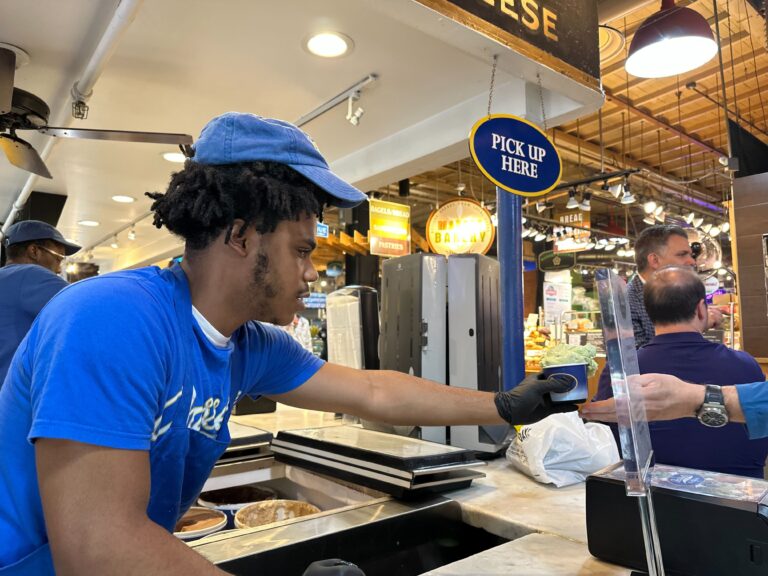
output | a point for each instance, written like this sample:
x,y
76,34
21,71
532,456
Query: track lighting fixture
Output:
x,y
354,117
572,203
627,197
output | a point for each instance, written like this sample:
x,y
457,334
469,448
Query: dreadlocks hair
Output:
x,y
203,200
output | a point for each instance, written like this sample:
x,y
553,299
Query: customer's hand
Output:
x,y
529,401
665,398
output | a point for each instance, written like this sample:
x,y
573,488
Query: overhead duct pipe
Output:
x,y
82,89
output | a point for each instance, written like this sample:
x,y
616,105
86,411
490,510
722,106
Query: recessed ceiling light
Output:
x,y
176,157
89,223
329,44
124,199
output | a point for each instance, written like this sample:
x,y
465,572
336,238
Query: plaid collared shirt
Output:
x,y
641,322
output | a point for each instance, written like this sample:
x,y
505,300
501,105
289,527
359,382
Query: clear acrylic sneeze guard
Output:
x,y
635,437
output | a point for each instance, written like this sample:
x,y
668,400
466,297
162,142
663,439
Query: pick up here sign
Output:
x,y
515,155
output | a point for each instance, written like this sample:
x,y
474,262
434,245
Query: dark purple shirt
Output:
x,y
686,442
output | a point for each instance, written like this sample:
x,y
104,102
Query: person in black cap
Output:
x,y
116,410
28,280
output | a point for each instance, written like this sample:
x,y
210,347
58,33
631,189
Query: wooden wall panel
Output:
x,y
750,199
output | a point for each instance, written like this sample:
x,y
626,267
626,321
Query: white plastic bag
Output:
x,y
562,450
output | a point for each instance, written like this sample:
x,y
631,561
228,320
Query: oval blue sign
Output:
x,y
515,155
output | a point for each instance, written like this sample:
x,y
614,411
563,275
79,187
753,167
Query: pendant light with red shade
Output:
x,y
672,41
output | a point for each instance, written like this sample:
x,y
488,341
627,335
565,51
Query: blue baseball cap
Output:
x,y
29,230
238,137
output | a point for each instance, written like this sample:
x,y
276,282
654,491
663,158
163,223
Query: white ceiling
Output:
x,y
182,62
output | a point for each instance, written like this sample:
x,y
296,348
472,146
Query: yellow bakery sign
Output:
x,y
389,233
460,227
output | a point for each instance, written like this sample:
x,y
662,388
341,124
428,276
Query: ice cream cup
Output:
x,y
578,374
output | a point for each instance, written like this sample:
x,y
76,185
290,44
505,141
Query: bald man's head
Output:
x,y
672,295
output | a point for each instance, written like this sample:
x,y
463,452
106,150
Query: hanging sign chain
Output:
x,y
541,100
493,79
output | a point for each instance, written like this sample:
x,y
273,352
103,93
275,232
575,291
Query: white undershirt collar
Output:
x,y
214,336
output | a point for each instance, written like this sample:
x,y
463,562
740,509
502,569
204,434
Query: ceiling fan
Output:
x,y
21,110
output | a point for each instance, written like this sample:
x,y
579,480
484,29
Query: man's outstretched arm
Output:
x,y
402,399
666,398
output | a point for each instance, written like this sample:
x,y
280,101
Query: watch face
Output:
x,y
713,417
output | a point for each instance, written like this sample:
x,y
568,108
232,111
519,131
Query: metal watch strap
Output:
x,y
714,395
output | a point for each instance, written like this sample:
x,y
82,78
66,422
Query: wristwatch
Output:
x,y
712,412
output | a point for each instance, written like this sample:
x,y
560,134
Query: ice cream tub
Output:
x,y
198,522
230,500
270,511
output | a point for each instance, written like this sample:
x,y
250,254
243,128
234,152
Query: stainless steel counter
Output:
x,y
546,525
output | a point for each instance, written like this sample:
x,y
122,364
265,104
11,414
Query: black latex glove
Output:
x,y
529,401
333,567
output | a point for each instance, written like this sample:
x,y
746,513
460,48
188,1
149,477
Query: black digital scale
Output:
x,y
709,524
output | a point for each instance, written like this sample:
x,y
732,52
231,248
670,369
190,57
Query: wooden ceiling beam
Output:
x,y
705,130
670,156
695,130
711,192
704,75
591,156
659,123
695,109
666,89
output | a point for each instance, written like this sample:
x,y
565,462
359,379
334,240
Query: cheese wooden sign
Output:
x,y
515,155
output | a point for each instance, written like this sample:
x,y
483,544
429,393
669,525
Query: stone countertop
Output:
x,y
510,505
532,555
546,526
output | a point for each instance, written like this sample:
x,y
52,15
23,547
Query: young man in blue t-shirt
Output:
x,y
115,408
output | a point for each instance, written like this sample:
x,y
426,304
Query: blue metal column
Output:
x,y
509,244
